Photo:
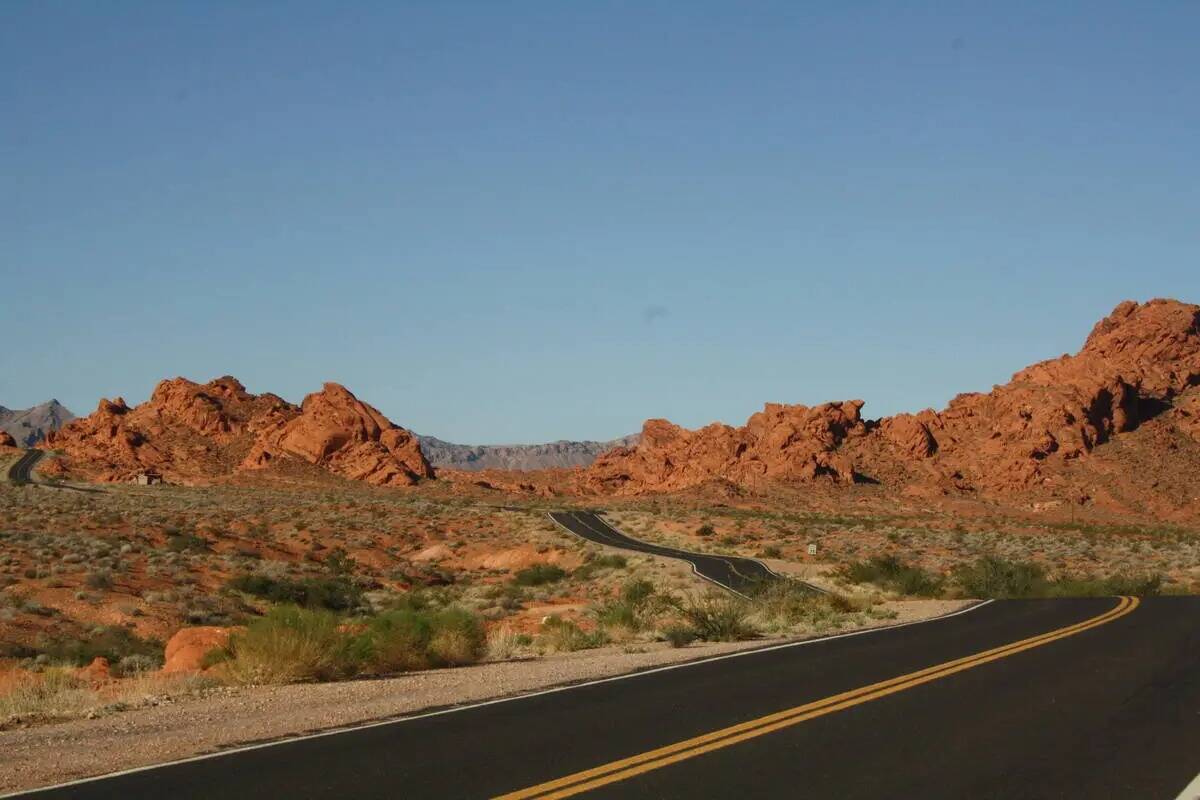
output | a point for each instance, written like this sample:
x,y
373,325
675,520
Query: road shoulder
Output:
x,y
166,729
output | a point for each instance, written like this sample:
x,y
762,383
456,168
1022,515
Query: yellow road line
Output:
x,y
586,780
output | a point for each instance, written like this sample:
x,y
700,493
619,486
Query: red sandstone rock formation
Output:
x,y
190,432
187,648
6,439
1137,362
338,431
791,443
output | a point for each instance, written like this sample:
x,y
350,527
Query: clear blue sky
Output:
x,y
526,221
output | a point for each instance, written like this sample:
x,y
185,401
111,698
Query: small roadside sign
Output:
x,y
812,549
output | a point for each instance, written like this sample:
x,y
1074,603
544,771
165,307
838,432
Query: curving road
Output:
x,y
1089,699
737,574
21,472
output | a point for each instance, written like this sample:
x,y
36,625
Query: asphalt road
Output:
x,y
731,572
1109,708
21,472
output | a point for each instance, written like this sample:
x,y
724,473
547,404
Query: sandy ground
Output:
x,y
225,717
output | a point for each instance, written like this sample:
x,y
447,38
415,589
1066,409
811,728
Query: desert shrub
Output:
x,y
503,644
1138,585
539,575
679,635
100,579
335,594
408,639
565,636
458,638
706,531
396,641
113,643
635,607
785,603
771,551
594,565
718,618
135,665
291,644
889,572
990,576
182,542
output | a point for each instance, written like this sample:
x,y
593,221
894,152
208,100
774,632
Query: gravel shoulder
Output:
x,y
226,717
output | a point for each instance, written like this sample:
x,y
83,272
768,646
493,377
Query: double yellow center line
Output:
x,y
612,772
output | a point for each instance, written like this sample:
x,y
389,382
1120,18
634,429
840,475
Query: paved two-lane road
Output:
x,y
735,573
21,472
1095,699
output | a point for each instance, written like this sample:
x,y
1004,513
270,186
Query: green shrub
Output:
x,y
594,565
334,594
100,579
539,575
565,636
889,572
784,603
719,618
1137,585
112,642
996,577
408,639
706,531
635,608
396,641
291,644
458,638
679,635
182,542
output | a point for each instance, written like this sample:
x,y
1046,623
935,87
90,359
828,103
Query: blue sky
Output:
x,y
525,221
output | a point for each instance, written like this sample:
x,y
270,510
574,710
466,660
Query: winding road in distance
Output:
x,y
734,573
21,472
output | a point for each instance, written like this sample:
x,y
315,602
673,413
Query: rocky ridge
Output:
x,y
30,425
523,457
189,433
1139,362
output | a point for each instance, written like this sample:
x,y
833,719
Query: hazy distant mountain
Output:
x,y
518,456
31,424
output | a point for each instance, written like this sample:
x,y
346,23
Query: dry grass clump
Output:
x,y
291,644
58,693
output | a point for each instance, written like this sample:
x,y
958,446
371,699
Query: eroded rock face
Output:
x,y
190,432
784,442
186,649
6,439
1136,363
338,431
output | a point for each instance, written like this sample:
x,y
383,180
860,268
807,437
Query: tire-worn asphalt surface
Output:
x,y
732,572
21,472
1112,712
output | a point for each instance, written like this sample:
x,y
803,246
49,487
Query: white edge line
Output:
x,y
495,701
1191,791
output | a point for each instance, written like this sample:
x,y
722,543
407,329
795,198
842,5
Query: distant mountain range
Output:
x,y
518,456
29,425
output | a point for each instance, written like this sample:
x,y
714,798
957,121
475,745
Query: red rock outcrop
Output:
x,y
6,439
187,648
338,431
782,442
1136,363
190,433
